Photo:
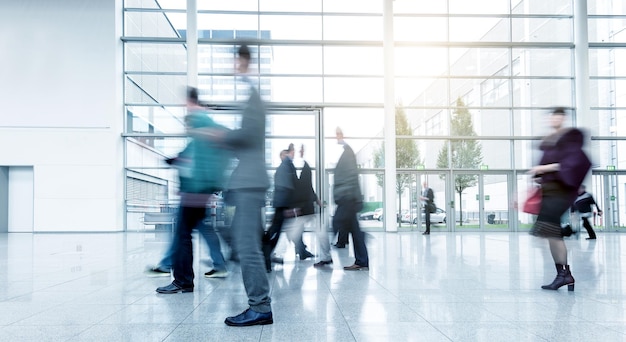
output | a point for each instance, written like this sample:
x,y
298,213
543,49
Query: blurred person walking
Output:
x,y
561,171
347,196
582,205
285,182
306,199
183,163
246,192
207,163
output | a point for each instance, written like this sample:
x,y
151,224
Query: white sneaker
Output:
x,y
216,274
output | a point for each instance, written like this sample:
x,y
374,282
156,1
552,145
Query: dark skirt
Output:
x,y
555,201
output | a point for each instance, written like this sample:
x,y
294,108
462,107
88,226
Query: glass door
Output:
x,y
609,191
482,201
496,202
300,129
411,214
467,203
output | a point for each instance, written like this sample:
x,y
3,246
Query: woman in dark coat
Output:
x,y
561,170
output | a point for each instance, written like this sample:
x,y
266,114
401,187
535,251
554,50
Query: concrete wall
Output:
x,y
61,109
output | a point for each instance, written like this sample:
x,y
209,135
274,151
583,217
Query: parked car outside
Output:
x,y
439,216
368,215
381,217
378,213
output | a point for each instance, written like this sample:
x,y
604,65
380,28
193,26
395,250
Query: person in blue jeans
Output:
x,y
164,267
200,179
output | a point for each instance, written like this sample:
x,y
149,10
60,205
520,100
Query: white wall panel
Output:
x,y
57,63
76,215
62,109
77,181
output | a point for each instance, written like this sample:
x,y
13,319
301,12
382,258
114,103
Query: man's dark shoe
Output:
x,y
426,233
337,245
173,288
305,255
216,274
276,260
590,238
248,318
567,231
323,263
356,267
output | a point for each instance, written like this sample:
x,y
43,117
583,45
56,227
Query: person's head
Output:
x,y
581,189
425,184
243,59
557,117
283,154
339,135
291,151
192,96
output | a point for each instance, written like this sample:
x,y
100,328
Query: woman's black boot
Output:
x,y
563,277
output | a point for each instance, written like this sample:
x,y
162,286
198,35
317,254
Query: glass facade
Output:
x,y
474,77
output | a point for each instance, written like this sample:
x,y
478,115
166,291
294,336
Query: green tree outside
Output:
x,y
407,155
466,154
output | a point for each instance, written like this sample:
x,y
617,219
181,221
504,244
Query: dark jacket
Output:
x,y
429,204
584,202
565,147
248,144
346,187
285,180
305,195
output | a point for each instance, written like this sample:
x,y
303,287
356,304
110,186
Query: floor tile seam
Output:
x,y
623,332
526,328
343,316
173,330
532,325
57,305
431,324
495,313
579,316
437,329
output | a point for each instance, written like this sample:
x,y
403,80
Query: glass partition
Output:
x,y
498,65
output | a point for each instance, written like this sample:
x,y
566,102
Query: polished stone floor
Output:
x,y
442,287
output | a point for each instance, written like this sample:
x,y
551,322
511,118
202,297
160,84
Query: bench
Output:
x,y
159,220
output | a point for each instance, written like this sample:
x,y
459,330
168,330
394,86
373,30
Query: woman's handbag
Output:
x,y
533,201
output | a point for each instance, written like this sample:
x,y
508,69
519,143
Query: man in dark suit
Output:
x,y
428,198
246,192
347,196
285,198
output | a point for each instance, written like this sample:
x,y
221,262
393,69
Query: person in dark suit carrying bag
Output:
x,y
428,197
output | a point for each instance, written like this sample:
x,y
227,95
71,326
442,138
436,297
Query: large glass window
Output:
x,y
495,66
